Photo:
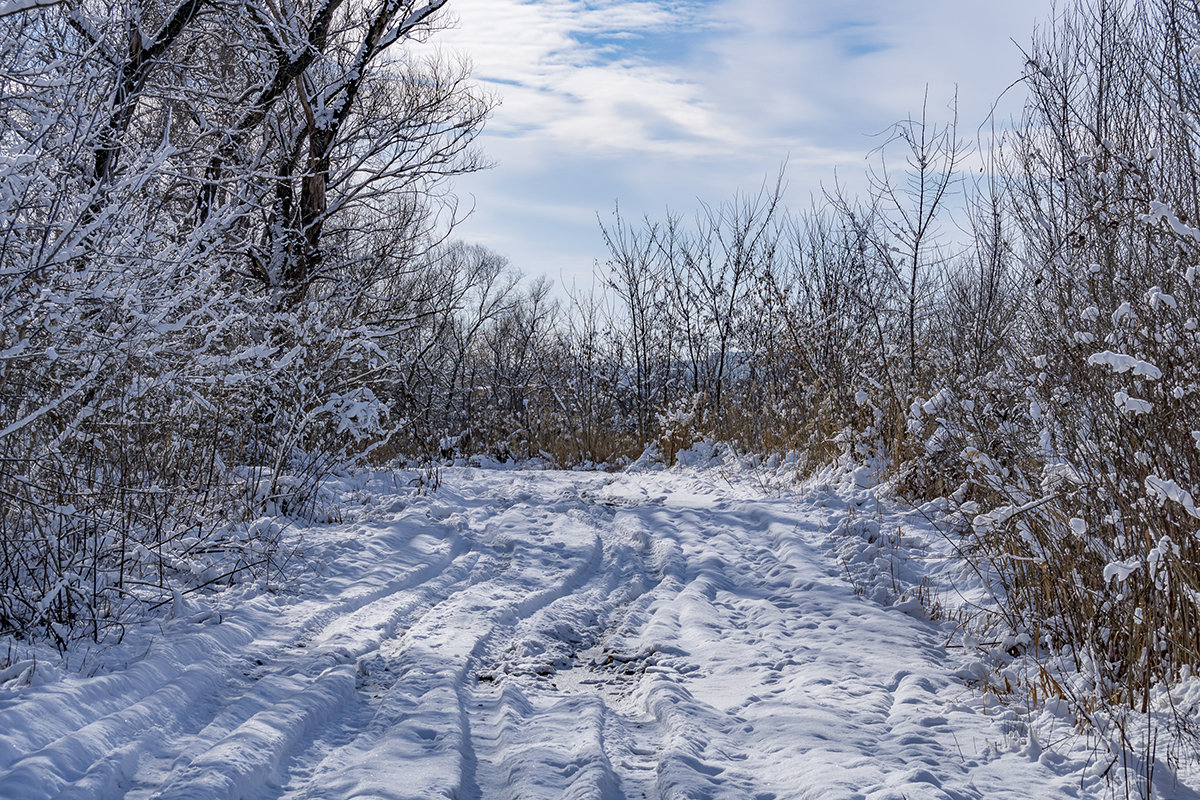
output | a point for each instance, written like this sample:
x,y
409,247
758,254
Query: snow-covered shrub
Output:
x,y
201,228
1090,524
680,426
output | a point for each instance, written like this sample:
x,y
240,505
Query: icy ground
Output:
x,y
676,634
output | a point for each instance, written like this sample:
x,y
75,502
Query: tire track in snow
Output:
x,y
533,740
424,716
536,636
835,706
259,726
217,668
701,754
644,736
775,648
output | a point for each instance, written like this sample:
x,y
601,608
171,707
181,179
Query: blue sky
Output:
x,y
657,103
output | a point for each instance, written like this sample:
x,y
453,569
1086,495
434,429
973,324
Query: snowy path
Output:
x,y
537,635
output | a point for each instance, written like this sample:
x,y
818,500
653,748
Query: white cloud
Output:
x,y
565,81
656,102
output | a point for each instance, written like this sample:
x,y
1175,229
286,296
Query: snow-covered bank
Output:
x,y
547,635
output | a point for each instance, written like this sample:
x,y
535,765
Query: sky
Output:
x,y
657,104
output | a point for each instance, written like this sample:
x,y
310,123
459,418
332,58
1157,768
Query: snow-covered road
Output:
x,y
536,635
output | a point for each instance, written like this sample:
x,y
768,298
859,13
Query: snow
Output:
x,y
682,633
1123,312
1157,297
1121,570
18,6
1160,212
1119,363
1163,489
1131,405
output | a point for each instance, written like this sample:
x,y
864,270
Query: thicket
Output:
x,y
219,222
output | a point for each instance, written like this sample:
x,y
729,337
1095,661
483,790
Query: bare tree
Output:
x,y
636,276
910,207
